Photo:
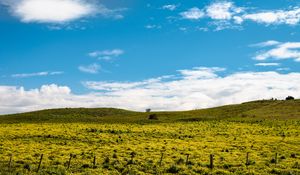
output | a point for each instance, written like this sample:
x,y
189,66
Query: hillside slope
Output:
x,y
263,109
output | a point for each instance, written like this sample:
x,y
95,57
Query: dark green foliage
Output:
x,y
293,155
296,165
180,161
27,167
106,160
153,117
289,98
173,169
85,166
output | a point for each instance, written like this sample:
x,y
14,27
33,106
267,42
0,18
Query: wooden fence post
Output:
x,y
247,159
211,163
276,158
94,162
41,159
187,159
69,163
10,162
161,158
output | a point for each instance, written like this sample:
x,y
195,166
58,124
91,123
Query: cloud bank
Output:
x,y
199,87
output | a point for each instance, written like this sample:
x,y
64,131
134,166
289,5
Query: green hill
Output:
x,y
263,109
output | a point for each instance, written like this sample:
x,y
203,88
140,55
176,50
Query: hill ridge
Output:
x,y
260,109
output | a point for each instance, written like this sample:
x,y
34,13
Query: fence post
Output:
x,y
41,159
211,163
276,156
94,162
10,162
187,159
161,158
247,159
69,163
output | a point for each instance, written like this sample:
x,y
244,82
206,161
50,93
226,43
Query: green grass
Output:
x,y
127,142
264,109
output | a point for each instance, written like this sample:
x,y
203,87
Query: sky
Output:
x,y
163,55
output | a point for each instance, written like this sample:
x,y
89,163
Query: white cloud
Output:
x,y
222,10
226,15
171,7
238,19
289,17
266,43
193,14
36,74
57,11
52,11
92,69
283,69
267,64
149,26
205,89
106,54
280,51
200,72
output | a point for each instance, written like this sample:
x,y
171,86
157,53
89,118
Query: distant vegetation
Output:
x,y
260,137
290,98
263,109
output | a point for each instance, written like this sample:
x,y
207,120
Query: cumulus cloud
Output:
x,y
189,89
222,10
36,74
289,17
56,11
106,54
92,68
225,14
279,51
192,14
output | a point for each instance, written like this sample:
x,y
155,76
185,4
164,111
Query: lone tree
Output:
x,y
148,110
289,98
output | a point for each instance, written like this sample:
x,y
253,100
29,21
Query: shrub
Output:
x,y
153,117
85,166
180,161
227,166
296,165
27,167
273,160
115,156
289,98
173,169
293,155
106,160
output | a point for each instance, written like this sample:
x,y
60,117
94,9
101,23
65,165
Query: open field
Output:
x,y
110,141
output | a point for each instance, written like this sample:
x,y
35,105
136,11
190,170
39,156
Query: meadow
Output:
x,y
260,137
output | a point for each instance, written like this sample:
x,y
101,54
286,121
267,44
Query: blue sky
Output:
x,y
166,55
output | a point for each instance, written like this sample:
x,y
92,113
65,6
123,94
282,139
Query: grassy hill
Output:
x,y
263,109
116,141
